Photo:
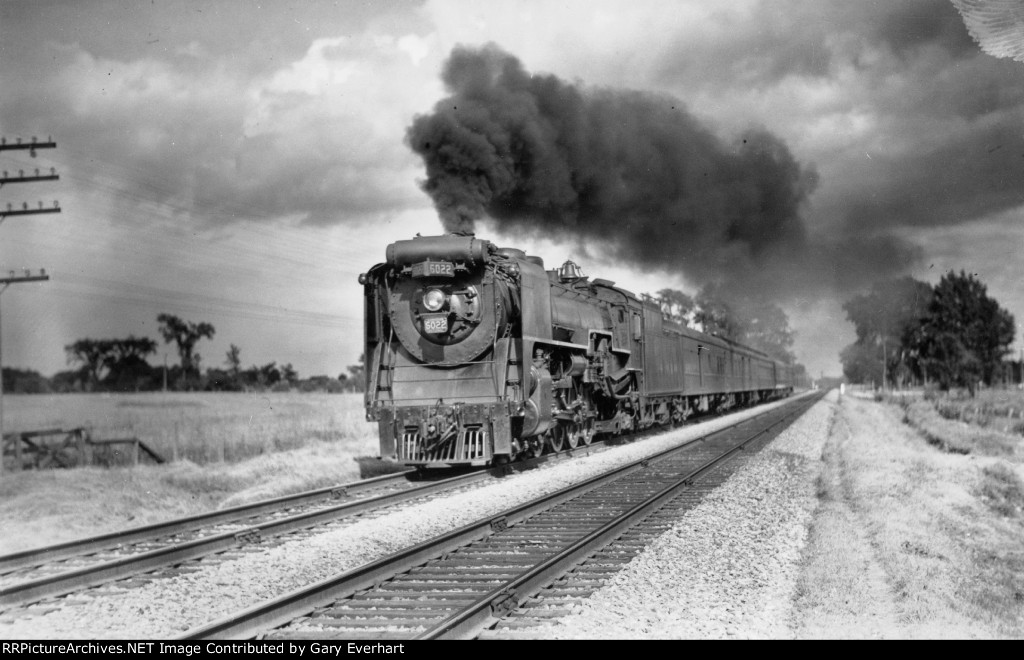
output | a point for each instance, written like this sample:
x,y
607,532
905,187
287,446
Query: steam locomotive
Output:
x,y
477,355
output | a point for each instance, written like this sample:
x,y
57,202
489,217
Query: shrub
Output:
x,y
1003,491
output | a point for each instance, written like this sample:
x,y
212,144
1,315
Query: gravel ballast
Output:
x,y
728,569
166,607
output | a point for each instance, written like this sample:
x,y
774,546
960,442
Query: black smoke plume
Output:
x,y
633,172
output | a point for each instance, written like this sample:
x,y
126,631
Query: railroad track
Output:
x,y
33,575
44,573
511,566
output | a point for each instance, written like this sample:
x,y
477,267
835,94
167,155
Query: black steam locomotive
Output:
x,y
475,355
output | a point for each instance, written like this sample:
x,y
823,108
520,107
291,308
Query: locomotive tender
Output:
x,y
476,355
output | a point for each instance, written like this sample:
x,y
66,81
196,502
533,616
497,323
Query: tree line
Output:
x,y
121,365
949,335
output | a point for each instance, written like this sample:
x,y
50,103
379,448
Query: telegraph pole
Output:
x,y
30,178
5,282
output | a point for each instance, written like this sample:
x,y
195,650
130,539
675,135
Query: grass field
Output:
x,y
200,427
227,449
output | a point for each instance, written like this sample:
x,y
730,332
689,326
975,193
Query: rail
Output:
x,y
364,581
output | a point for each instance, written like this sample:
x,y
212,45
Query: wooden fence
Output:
x,y
59,448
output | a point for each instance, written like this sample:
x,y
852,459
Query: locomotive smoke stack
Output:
x,y
633,172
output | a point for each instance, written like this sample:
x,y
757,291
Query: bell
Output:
x,y
569,272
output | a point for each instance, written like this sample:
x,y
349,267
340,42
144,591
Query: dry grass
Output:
x,y
49,506
959,437
910,541
848,598
272,445
199,427
1002,490
996,409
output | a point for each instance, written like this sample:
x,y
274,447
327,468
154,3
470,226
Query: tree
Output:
x,y
24,381
66,381
717,316
357,372
185,335
268,374
90,354
862,363
756,322
118,364
767,329
230,380
800,376
676,305
885,320
126,362
966,334
234,360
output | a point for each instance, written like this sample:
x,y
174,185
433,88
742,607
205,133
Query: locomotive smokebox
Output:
x,y
447,302
472,252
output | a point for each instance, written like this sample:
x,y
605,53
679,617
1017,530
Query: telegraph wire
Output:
x,y
241,220
162,225
72,291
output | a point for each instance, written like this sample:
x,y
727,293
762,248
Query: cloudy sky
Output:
x,y
240,163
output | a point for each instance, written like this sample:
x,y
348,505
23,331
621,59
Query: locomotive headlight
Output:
x,y
434,299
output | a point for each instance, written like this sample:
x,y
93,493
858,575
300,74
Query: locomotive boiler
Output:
x,y
476,354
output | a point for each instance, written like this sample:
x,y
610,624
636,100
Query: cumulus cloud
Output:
x,y
316,139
